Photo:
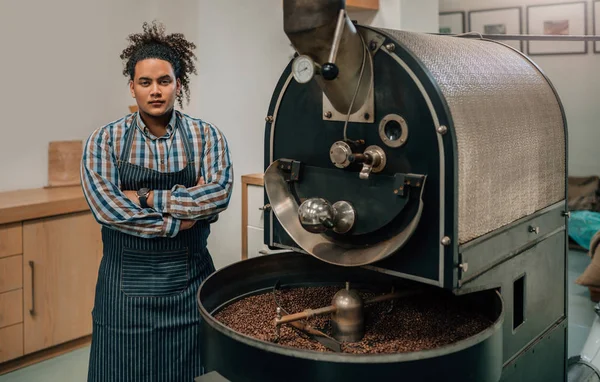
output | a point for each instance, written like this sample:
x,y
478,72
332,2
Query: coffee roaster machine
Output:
x,y
402,157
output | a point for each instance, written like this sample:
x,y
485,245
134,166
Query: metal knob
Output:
x,y
330,71
317,215
340,153
374,160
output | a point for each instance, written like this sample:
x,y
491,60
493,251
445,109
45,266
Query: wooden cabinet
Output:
x,y
252,216
50,250
61,265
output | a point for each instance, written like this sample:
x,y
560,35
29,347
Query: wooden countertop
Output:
x,y
37,203
255,179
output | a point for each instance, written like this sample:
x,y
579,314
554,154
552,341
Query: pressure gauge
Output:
x,y
303,69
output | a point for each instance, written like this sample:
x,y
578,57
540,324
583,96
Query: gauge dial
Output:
x,y
303,69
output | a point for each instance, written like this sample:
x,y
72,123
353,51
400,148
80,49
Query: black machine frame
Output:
x,y
523,248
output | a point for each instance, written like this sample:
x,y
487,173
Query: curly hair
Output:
x,y
154,43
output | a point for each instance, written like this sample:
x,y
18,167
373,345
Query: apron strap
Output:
x,y
129,135
189,155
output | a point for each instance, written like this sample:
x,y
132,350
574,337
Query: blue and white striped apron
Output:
x,y
145,319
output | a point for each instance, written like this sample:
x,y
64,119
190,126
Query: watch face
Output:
x,y
143,191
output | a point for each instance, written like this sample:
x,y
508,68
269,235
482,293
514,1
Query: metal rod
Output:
x,y
361,158
391,296
337,37
318,335
277,327
521,37
308,313
303,326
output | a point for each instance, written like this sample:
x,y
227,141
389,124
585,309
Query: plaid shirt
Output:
x,y
100,175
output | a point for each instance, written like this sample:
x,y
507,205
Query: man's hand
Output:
x,y
201,182
186,224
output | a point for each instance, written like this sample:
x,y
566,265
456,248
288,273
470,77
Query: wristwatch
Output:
x,y
142,195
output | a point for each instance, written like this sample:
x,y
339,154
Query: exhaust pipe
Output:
x,y
311,26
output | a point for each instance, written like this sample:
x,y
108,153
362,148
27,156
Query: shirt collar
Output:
x,y
170,126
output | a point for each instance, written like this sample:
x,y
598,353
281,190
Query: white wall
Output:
x,y
410,15
388,15
61,76
576,80
420,16
242,51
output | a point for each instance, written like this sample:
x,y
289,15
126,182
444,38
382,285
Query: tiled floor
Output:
x,y
72,367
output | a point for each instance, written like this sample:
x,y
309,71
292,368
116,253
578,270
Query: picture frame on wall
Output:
x,y
596,21
497,21
452,22
561,19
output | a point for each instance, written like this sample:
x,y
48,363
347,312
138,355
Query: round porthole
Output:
x,y
393,130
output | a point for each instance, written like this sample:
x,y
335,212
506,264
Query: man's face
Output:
x,y
154,86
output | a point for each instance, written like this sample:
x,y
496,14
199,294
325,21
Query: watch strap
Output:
x,y
143,201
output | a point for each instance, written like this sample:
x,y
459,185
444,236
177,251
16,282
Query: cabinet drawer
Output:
x,y
255,242
11,342
256,200
11,240
11,308
11,273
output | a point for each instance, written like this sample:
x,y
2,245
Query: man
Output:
x,y
154,179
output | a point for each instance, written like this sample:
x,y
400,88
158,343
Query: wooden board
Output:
x,y
64,162
362,5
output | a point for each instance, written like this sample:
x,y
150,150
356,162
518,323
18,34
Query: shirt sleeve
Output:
x,y
206,200
110,207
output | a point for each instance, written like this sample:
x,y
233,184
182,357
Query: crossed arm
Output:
x,y
170,210
132,195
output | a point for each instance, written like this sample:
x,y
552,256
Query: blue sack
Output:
x,y
583,225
